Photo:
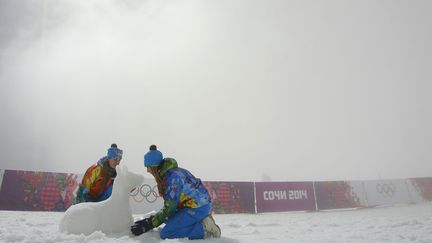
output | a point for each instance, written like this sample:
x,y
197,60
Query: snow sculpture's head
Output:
x,y
125,180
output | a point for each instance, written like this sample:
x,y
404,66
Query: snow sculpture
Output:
x,y
113,215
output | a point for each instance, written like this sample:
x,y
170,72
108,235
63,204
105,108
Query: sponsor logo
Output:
x,y
386,190
285,195
145,192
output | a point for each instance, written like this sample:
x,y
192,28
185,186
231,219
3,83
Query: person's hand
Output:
x,y
142,226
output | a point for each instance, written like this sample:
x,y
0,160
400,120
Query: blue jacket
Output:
x,y
181,190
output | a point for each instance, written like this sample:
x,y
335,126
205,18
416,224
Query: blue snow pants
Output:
x,y
186,223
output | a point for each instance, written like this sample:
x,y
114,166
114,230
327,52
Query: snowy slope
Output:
x,y
412,223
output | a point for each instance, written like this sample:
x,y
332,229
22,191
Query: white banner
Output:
x,y
146,199
386,192
358,192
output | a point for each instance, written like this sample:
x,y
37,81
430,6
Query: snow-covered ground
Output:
x,y
408,223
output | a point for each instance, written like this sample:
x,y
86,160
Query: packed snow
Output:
x,y
405,223
109,216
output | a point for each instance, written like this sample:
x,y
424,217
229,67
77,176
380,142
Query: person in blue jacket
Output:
x,y
187,204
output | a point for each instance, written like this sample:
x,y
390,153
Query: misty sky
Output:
x,y
233,89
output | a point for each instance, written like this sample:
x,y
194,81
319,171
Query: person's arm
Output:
x,y
172,197
144,225
170,206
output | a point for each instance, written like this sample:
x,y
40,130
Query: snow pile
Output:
x,y
113,215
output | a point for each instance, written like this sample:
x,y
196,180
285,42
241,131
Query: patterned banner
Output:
x,y
387,192
420,189
284,196
340,194
37,191
46,191
231,197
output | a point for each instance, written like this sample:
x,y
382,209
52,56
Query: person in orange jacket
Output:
x,y
97,181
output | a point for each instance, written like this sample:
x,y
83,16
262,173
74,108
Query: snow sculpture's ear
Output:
x,y
118,170
123,171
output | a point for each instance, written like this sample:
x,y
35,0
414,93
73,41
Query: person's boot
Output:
x,y
211,229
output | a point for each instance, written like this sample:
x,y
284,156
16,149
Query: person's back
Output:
x,y
189,190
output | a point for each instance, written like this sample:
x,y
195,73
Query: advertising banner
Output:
x,y
386,192
420,189
340,194
145,198
284,196
231,197
37,191
47,191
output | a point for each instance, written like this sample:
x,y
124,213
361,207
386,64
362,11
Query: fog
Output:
x,y
234,90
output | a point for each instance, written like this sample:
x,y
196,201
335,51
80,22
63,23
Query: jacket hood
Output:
x,y
166,165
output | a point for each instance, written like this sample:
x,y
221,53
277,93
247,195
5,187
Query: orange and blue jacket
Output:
x,y
97,181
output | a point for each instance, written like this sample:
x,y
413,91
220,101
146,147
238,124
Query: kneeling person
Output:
x,y
187,204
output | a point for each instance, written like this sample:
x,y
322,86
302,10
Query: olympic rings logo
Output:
x,y
386,190
145,192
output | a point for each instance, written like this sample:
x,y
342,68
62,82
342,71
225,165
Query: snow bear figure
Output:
x,y
113,215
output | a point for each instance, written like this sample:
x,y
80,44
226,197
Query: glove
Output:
x,y
142,226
